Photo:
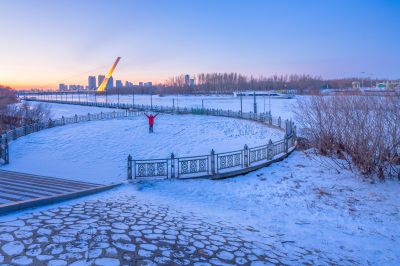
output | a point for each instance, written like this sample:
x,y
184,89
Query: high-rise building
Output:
x,y
191,82
110,83
100,79
187,79
91,82
118,84
62,87
128,84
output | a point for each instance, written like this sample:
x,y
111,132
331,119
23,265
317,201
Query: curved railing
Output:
x,y
18,132
213,165
218,165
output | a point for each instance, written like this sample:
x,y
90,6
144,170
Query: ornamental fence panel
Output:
x,y
151,168
192,166
226,161
279,147
257,154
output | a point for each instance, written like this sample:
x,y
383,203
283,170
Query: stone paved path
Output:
x,y
124,231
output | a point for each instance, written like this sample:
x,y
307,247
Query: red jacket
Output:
x,y
151,118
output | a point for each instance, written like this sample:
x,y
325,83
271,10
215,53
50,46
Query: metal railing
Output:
x,y
217,165
213,165
18,132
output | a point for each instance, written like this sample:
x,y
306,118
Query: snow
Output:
x,y
97,151
301,200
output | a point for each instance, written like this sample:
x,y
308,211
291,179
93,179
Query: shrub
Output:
x,y
14,114
361,130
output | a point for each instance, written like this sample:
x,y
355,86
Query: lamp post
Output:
x,y
269,103
133,99
362,79
118,95
241,103
255,103
264,102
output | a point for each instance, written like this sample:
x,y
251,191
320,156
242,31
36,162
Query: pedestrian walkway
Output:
x,y
121,229
21,190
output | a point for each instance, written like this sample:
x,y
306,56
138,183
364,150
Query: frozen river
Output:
x,y
278,106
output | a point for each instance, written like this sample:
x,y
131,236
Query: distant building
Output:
x,y
191,82
62,87
110,83
356,84
100,79
118,84
140,83
187,79
128,84
148,84
91,82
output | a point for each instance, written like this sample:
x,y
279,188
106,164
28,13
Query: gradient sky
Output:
x,y
45,42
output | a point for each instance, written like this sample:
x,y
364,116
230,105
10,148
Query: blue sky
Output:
x,y
45,41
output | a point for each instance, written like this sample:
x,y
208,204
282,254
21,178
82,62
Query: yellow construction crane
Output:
x,y
102,86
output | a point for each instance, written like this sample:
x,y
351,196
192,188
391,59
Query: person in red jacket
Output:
x,y
151,118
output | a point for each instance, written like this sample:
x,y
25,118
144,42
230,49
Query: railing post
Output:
x,y
101,115
76,118
294,134
129,167
212,158
246,156
63,120
286,143
279,122
270,150
172,165
287,127
88,115
6,154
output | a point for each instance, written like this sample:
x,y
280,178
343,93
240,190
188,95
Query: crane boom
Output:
x,y
102,86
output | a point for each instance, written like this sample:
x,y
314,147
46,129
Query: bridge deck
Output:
x,y
21,190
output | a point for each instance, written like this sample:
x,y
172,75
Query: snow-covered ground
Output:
x,y
302,201
296,203
294,212
97,151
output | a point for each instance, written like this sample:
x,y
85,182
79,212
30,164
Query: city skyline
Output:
x,y
43,47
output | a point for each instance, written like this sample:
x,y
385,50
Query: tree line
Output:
x,y
231,82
